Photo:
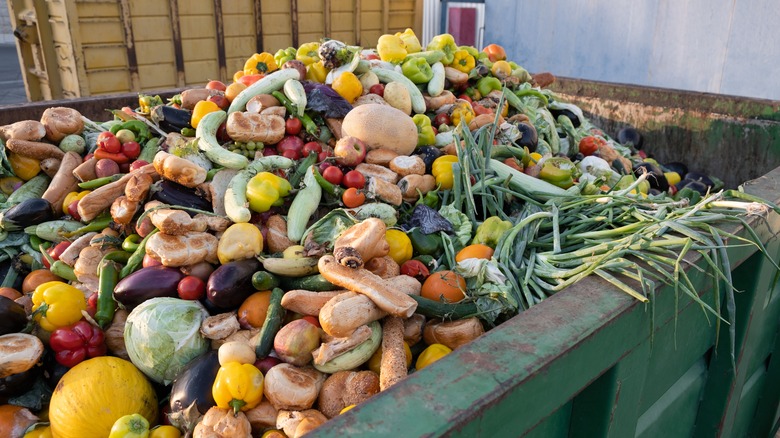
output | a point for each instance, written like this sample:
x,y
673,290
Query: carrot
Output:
x,y
34,149
363,281
63,182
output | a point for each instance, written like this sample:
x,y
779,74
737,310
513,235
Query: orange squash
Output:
x,y
91,396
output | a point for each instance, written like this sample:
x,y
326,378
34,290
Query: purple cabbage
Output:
x,y
324,100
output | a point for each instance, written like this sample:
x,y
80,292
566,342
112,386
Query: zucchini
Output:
x,y
431,56
266,85
436,84
150,149
272,323
28,212
446,311
262,280
235,196
54,231
34,188
386,75
297,95
206,136
315,283
303,206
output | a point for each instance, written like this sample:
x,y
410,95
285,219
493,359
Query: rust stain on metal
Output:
x,y
294,21
219,22
178,54
259,25
132,59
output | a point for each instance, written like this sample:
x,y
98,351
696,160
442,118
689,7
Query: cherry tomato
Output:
x,y
590,144
353,198
442,119
325,154
311,147
109,143
220,100
416,269
92,304
333,175
355,179
293,126
216,85
137,164
191,288
377,89
131,149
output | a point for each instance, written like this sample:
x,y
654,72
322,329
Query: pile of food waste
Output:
x,y
255,258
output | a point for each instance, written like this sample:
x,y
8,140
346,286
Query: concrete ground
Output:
x,y
11,83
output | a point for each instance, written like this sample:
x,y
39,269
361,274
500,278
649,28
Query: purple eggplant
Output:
x,y
230,284
146,283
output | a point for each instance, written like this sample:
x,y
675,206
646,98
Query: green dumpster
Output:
x,y
588,361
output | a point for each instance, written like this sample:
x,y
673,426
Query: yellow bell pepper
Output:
x,y
348,86
431,354
442,171
73,196
24,167
39,432
260,63
391,49
57,304
165,431
238,386
462,111
130,426
317,72
266,190
239,242
446,43
201,109
400,245
308,53
463,61
410,40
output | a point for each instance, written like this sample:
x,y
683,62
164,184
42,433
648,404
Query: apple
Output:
x,y
349,151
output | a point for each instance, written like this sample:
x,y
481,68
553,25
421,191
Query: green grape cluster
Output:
x,y
247,149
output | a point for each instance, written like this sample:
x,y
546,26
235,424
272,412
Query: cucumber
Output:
x,y
206,136
446,311
272,82
33,188
386,75
297,95
303,206
262,280
431,56
436,84
271,325
315,283
235,195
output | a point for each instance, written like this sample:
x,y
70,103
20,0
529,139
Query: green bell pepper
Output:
x,y
446,43
425,135
488,84
472,51
558,171
417,70
283,55
489,232
425,244
266,190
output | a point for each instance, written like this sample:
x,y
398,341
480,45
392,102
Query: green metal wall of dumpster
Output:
x,y
591,361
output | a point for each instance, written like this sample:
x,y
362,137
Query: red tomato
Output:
x,y
355,179
466,97
92,304
311,147
73,210
333,175
353,198
590,144
191,288
137,164
131,149
442,119
220,100
377,89
416,269
326,153
250,79
291,154
216,85
293,126
108,142
56,251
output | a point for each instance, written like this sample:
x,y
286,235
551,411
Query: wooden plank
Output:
x,y
258,10
152,28
358,21
199,49
198,72
132,59
108,81
418,17
294,21
196,8
218,22
279,40
327,18
105,57
238,47
77,50
97,10
385,15
49,56
157,76
197,26
178,53
276,24
155,53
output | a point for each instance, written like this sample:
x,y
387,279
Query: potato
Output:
x,y
398,97
106,167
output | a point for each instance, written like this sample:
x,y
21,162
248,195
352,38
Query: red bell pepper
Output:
x,y
77,342
118,157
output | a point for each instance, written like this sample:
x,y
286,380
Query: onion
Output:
x,y
289,387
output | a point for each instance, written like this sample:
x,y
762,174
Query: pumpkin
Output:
x,y
381,126
91,396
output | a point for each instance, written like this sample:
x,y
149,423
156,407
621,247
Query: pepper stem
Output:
x,y
236,404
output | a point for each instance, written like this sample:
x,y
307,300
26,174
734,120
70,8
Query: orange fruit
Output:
x,y
446,285
474,251
252,312
36,278
233,90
